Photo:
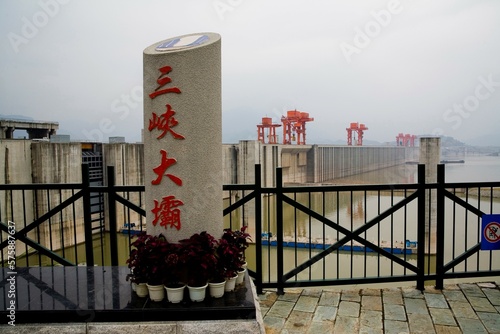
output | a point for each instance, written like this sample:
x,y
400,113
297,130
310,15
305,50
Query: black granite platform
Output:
x,y
101,294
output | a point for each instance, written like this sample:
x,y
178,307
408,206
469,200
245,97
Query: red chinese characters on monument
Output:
x,y
165,122
162,168
162,80
165,212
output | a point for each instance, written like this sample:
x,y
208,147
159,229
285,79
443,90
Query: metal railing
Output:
x,y
303,236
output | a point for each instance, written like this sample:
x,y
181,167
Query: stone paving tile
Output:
x,y
273,324
455,295
451,287
267,298
325,313
412,293
264,310
471,290
471,326
481,304
306,304
348,309
435,300
462,310
417,306
493,295
373,303
432,289
281,309
290,296
491,321
370,322
346,325
447,329
392,296
350,295
420,323
395,327
394,312
371,292
298,321
329,299
442,316
320,327
312,292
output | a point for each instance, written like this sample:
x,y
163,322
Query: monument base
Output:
x,y
100,300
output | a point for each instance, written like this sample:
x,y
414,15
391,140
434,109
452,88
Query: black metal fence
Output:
x,y
303,236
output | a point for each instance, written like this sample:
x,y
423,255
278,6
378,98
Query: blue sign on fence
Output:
x,y
490,239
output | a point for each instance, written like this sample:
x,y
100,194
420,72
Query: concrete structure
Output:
x,y
116,140
35,129
183,141
60,139
308,163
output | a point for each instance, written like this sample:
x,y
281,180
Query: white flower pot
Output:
x,y
230,283
241,277
141,290
175,295
134,286
156,292
217,289
197,293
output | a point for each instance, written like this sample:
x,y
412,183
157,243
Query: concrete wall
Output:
x,y
57,163
15,168
333,162
308,163
128,160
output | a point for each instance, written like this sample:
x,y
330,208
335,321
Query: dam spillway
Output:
x,y
308,164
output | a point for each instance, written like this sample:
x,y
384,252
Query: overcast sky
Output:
x,y
418,67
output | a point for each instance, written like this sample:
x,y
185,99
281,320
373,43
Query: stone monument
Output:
x,y
183,136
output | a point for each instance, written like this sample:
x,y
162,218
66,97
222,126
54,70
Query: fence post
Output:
x,y
440,227
87,217
421,228
258,228
279,229
113,239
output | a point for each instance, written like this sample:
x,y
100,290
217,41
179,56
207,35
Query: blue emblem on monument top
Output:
x,y
182,42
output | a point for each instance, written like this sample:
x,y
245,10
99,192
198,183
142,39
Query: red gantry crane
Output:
x,y
359,129
405,140
294,126
267,123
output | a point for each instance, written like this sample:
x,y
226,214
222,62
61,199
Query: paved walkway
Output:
x,y
463,308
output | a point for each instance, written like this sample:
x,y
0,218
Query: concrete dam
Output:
x,y
308,164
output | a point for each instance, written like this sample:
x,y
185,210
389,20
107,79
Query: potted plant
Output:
x,y
238,240
155,249
137,262
228,261
173,280
199,258
147,265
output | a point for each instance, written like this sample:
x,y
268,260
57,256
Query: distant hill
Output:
x,y
485,140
